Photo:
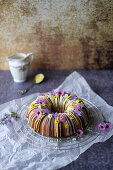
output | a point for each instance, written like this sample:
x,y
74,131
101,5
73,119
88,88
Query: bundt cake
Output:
x,y
58,114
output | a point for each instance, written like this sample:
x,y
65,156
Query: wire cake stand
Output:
x,y
38,141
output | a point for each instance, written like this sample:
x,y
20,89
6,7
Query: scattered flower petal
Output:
x,y
101,127
15,118
74,139
108,127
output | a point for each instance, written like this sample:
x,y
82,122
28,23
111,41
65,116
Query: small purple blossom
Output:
x,y
5,114
16,118
76,107
70,93
60,92
55,115
7,118
52,92
47,112
101,126
38,101
78,113
74,97
108,127
10,121
6,122
79,133
81,106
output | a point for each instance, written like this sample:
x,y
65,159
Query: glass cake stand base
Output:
x,y
38,141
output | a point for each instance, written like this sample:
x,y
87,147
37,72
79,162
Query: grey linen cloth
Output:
x,y
16,153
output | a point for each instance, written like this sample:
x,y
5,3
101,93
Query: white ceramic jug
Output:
x,y
19,65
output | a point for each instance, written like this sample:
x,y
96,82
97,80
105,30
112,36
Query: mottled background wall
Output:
x,y
63,34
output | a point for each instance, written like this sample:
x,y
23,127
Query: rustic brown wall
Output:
x,y
63,34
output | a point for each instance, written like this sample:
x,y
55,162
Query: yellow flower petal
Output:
x,y
57,121
72,105
33,105
71,117
66,126
55,96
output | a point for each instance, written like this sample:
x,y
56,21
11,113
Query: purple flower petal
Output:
x,y
47,112
52,92
41,100
101,127
74,97
62,118
60,92
9,121
70,93
5,122
55,115
81,106
37,112
15,118
108,127
78,113
79,132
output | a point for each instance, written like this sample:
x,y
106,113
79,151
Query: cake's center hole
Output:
x,y
56,109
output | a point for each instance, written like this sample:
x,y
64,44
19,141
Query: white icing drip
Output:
x,y
68,104
67,129
60,104
52,99
43,124
48,126
29,118
52,126
32,118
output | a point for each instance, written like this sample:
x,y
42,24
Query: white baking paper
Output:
x,y
16,153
